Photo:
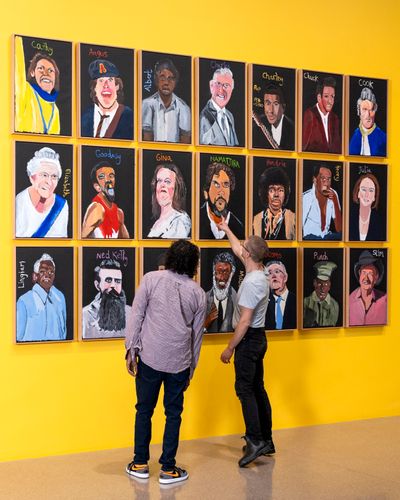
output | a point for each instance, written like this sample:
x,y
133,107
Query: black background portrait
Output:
x,y
61,52
123,162
337,170
206,268
238,198
308,84
237,102
150,159
288,256
25,258
380,88
25,151
356,170
92,256
313,255
183,64
122,58
264,76
149,258
354,255
262,163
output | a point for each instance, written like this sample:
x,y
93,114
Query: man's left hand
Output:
x,y
131,364
226,355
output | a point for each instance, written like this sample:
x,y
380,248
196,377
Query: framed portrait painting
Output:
x,y
107,291
44,293
42,86
220,276
281,268
106,92
221,103
321,114
367,116
107,187
273,198
221,184
367,286
272,101
322,200
44,190
166,187
367,202
323,281
165,97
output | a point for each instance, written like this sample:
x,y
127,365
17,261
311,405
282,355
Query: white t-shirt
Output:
x,y
253,293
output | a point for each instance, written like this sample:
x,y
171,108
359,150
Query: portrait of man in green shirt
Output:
x,y
320,308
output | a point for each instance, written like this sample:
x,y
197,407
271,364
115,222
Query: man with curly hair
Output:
x,y
163,339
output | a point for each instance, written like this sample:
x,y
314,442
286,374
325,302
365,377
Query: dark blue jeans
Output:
x,y
148,384
249,384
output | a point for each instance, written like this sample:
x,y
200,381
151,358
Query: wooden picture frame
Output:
x,y
107,288
42,83
272,108
44,294
165,98
322,286
321,180
106,90
273,198
220,276
222,191
226,82
107,210
166,194
44,185
367,202
282,270
367,286
321,93
367,116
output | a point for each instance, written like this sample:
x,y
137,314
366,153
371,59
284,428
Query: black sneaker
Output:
x,y
268,450
138,470
173,476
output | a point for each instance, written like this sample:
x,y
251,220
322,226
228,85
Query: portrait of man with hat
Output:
x,y
320,308
107,117
367,304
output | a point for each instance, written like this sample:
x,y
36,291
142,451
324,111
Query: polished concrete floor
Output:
x,y
355,460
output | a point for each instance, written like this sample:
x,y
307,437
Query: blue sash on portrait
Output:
x,y
45,226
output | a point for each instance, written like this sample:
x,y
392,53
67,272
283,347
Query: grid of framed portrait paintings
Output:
x,y
269,148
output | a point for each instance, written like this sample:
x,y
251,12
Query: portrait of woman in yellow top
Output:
x,y
37,87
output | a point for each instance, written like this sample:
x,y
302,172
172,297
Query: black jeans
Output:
x,y
249,384
148,384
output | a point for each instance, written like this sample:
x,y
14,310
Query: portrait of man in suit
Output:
x,y
222,296
217,124
274,129
321,125
281,311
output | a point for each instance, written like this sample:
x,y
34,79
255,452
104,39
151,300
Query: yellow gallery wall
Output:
x,y
71,397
